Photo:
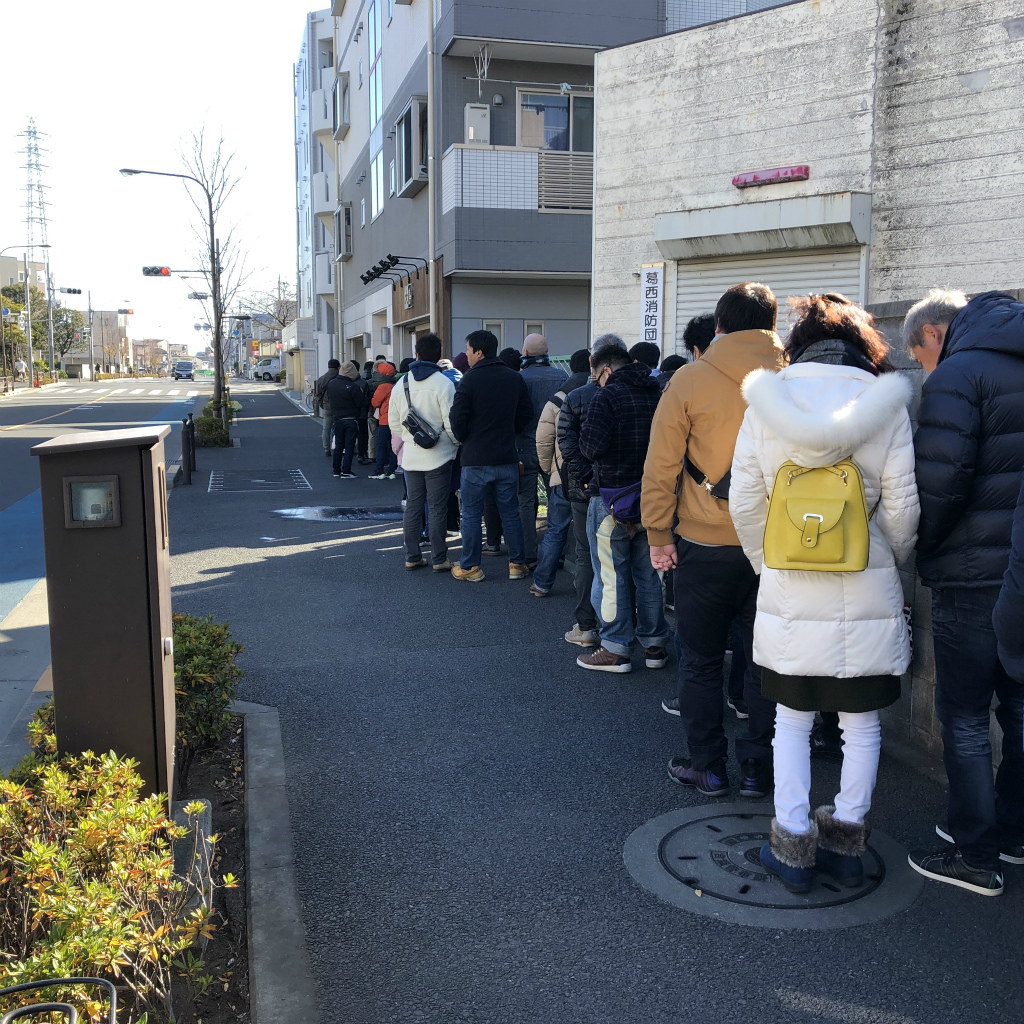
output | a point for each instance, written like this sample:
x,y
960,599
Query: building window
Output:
x,y
411,148
376,65
342,106
376,186
391,188
362,213
555,122
497,328
343,231
534,327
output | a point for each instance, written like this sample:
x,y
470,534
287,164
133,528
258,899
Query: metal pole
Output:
x,y
218,355
49,315
92,353
28,332
192,440
431,172
186,455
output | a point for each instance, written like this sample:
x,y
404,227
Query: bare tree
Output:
x,y
275,309
226,274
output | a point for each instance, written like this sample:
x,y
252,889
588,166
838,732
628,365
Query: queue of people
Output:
x,y
775,487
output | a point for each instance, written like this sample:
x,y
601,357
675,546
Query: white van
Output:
x,y
267,368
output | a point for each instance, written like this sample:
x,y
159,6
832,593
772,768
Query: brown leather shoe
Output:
x,y
419,564
518,571
472,575
442,566
603,660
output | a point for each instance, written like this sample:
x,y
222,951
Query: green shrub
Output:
x,y
210,433
205,683
208,408
87,884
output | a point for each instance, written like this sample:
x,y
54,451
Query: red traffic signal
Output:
x,y
156,271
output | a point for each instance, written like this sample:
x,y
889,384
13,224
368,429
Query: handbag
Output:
x,y
623,502
818,519
423,434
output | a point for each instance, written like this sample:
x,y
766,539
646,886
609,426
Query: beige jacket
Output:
x,y
548,453
700,415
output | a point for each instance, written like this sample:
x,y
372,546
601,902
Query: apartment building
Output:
x,y
316,185
12,271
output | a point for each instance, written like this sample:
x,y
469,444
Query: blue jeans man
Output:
x,y
986,815
506,493
620,552
387,460
559,525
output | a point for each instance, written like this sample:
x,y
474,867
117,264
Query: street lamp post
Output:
x,y
218,378
28,309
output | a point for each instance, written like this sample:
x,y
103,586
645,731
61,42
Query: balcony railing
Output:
x,y
514,178
325,195
321,120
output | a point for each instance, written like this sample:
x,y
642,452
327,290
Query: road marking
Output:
x,y
158,391
191,394
118,391
137,391
174,392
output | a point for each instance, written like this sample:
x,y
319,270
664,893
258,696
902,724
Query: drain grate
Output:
x,y
222,480
705,860
329,514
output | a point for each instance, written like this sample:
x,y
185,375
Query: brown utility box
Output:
x,y
104,495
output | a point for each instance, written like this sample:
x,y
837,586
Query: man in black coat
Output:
x,y
1008,618
492,405
345,400
970,453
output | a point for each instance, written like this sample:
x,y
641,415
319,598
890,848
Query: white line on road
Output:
x,y
158,391
188,394
118,391
136,391
174,392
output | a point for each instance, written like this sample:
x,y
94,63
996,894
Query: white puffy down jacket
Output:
x,y
839,624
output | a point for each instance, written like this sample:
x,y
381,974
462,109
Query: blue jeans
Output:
x,y
387,460
618,554
559,525
346,433
983,814
506,493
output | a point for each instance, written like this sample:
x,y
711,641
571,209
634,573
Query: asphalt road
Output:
x,y
461,792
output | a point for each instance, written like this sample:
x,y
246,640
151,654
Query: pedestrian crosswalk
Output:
x,y
110,392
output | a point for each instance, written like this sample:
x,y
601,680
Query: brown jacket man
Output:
x,y
699,419
700,415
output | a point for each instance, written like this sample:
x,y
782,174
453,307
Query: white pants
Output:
x,y
862,742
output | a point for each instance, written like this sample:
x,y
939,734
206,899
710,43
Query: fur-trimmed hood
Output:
x,y
822,413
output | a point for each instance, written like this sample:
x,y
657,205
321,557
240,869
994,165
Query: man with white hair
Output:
x,y
542,382
924,329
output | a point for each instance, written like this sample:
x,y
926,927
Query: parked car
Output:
x,y
267,368
184,370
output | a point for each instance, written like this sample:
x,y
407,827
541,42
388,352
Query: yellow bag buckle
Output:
x,y
812,524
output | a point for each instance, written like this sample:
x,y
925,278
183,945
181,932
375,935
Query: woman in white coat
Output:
x,y
828,641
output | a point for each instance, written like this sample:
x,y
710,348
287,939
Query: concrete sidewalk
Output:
x,y
461,792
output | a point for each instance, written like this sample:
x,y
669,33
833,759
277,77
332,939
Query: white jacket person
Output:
x,y
432,396
829,624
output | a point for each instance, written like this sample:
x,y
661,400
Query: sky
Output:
x,y
118,83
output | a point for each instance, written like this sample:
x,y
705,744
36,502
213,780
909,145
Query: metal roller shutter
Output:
x,y
700,283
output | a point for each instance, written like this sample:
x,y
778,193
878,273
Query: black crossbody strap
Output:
x,y
719,490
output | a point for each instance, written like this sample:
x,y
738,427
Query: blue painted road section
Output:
x,y
22,564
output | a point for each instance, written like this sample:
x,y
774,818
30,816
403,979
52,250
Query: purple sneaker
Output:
x,y
710,781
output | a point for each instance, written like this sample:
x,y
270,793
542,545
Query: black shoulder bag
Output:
x,y
422,432
719,490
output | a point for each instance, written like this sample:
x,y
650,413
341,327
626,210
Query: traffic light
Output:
x,y
126,311
72,291
156,271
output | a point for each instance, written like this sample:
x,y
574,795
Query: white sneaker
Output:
x,y
582,637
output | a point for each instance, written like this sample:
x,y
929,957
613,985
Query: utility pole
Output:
x,y
431,173
28,322
49,314
92,354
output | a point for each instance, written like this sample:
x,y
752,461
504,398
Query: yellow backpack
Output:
x,y
818,519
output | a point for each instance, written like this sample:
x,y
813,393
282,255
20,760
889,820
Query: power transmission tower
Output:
x,y
35,216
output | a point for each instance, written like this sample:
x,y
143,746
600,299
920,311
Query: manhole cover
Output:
x,y
705,860
326,513
262,480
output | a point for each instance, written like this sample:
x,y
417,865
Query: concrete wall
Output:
x,y
564,308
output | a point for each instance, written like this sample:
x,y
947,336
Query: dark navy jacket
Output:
x,y
576,470
492,405
1008,617
970,446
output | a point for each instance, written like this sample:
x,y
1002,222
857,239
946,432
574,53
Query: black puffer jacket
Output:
x,y
1009,610
970,446
576,470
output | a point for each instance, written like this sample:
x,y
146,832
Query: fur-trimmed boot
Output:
x,y
840,845
791,856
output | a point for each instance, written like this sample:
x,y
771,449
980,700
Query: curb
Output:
x,y
300,405
281,984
